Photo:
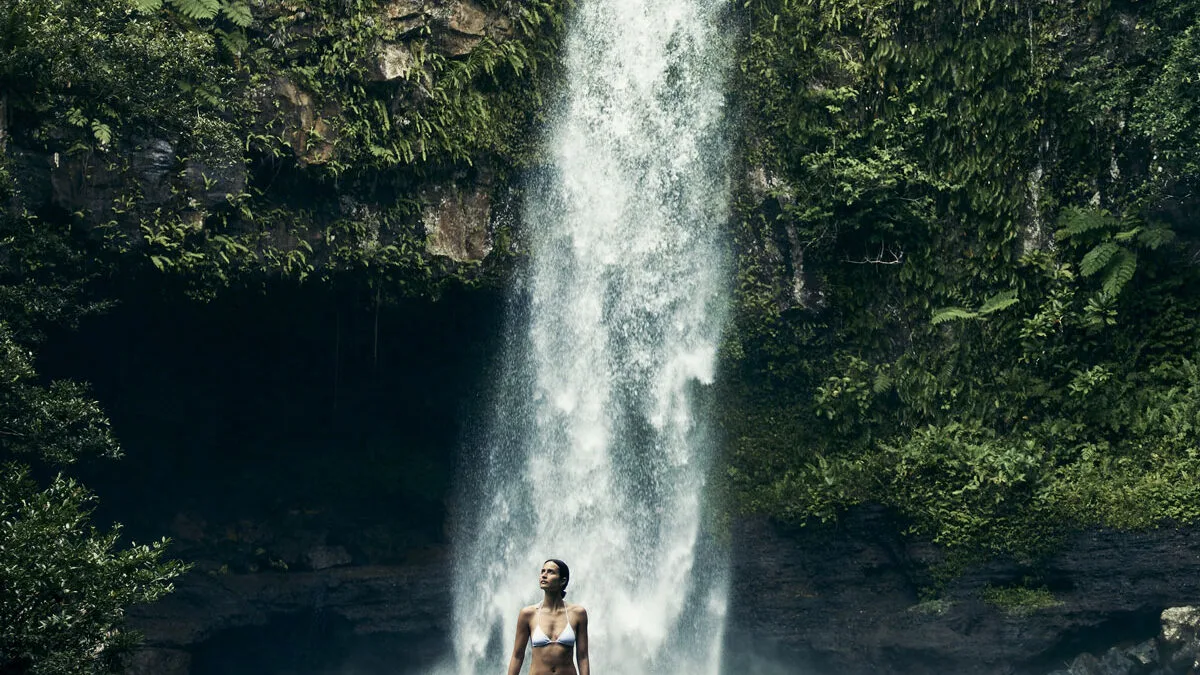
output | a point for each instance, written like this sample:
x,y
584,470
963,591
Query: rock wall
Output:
x,y
837,600
847,599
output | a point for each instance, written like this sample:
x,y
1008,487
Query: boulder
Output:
x,y
1144,654
458,44
468,18
152,161
393,62
84,183
1180,639
325,557
457,224
306,130
1084,664
464,25
1180,625
211,183
159,662
396,10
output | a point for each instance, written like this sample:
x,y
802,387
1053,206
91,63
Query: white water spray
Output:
x,y
599,452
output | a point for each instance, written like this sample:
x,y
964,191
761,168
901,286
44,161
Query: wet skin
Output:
x,y
552,659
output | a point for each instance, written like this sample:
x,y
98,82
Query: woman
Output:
x,y
557,630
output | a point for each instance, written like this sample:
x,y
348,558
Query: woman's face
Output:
x,y
549,578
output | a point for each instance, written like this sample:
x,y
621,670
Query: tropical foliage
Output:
x,y
66,585
988,320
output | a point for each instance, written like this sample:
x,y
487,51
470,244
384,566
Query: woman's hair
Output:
x,y
563,571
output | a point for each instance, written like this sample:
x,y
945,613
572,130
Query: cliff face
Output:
x,y
848,599
347,619
362,141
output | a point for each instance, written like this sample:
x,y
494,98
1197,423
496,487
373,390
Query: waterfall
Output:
x,y
599,450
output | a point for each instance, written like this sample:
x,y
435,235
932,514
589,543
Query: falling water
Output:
x,y
598,452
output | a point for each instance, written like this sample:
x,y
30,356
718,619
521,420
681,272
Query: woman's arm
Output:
x,y
518,652
581,644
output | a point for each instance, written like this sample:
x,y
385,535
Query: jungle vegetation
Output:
x,y
990,320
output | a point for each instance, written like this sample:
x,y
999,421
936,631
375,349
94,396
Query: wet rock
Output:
x,y
393,62
152,162
310,136
1117,662
85,184
837,599
403,17
188,527
468,18
396,10
455,44
1180,639
399,600
31,169
159,662
325,557
779,246
457,224
88,184
212,183
1145,654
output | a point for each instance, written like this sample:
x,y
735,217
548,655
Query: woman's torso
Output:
x,y
554,658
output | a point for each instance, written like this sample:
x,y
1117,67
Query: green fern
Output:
x,y
951,314
235,42
1097,258
1076,221
1120,272
197,9
999,301
1127,235
147,5
882,384
1156,236
238,13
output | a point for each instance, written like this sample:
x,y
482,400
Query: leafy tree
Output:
x,y
64,585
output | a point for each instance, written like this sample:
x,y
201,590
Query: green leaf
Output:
x,y
238,13
999,301
147,5
1077,221
102,132
883,383
197,9
1154,237
1121,273
1097,258
951,314
1127,235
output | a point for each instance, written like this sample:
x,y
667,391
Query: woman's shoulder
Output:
x,y
528,611
576,611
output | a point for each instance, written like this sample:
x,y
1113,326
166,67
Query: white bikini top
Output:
x,y
566,638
